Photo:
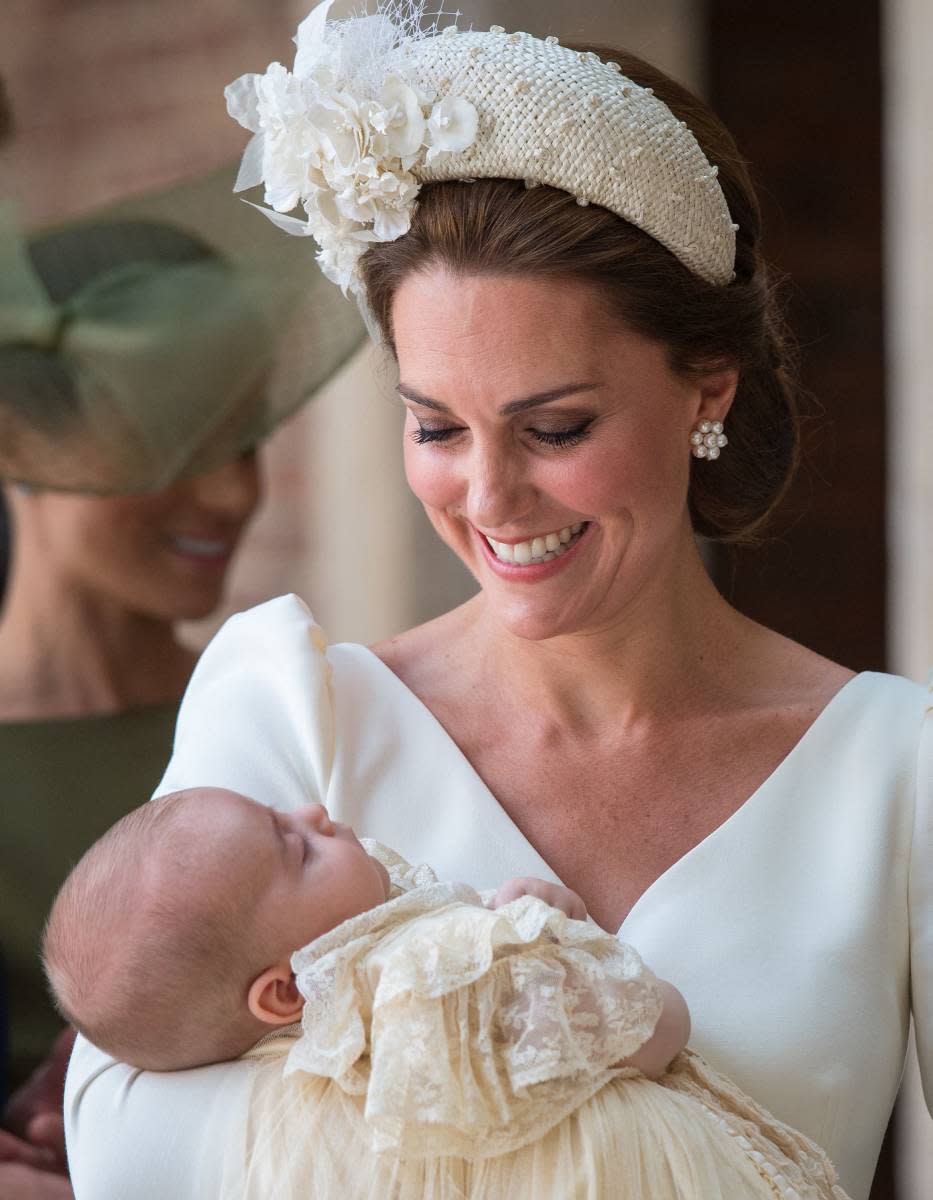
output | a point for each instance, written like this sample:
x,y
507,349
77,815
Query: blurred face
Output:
x,y
303,873
548,444
162,554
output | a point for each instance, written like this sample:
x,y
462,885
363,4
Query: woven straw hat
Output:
x,y
556,116
377,106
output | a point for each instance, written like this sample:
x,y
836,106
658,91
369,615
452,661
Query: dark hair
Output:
x,y
497,226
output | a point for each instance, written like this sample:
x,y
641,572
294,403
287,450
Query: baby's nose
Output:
x,y
315,816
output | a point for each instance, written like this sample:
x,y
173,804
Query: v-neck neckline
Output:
x,y
749,804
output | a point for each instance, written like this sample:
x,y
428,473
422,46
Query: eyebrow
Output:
x,y
507,410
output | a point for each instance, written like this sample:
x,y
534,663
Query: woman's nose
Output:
x,y
231,490
498,493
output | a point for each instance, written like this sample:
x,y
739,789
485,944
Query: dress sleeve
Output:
x,y
258,714
257,718
142,1135
921,905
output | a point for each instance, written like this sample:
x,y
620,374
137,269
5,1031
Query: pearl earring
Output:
x,y
708,439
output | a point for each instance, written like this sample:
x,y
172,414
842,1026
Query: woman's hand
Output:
x,y
19,1182
551,893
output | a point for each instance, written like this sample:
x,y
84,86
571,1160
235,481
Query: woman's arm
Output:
x,y
257,717
140,1135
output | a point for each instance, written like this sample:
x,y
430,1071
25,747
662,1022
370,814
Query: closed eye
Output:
x,y
297,845
563,437
547,437
433,433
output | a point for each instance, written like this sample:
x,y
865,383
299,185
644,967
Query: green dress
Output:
x,y
62,784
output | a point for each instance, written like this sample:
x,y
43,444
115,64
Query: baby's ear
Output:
x,y
273,997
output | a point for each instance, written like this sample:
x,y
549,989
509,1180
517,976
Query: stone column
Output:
x,y
908,33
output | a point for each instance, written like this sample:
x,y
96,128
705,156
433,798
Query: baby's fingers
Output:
x,y
512,889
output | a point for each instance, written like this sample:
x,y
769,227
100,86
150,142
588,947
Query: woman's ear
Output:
x,y
273,997
716,392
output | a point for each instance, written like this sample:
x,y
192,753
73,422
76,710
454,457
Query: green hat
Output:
x,y
156,339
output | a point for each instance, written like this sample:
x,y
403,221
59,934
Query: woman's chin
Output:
x,y
536,622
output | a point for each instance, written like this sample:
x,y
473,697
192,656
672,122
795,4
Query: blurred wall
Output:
x,y
908,36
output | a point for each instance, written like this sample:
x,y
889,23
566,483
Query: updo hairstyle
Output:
x,y
500,227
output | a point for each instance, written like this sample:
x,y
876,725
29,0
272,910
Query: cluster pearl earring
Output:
x,y
708,439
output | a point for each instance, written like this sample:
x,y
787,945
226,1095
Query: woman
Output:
x,y
136,359
592,373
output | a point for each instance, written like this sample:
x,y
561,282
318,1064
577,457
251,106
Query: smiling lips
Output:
x,y
539,549
205,549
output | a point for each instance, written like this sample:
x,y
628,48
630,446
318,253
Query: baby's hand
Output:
x,y
551,893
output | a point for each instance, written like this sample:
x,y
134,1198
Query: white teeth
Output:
x,y
538,549
201,547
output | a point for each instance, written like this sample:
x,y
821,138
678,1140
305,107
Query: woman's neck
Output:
x,y
68,651
677,645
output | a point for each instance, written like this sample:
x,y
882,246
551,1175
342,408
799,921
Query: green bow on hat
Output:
x,y
162,363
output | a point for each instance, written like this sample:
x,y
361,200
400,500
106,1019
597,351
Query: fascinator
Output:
x,y
156,339
377,106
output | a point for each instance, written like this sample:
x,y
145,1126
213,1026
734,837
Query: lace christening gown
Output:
x,y
447,1050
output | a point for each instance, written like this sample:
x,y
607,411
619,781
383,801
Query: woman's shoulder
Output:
x,y
789,674
425,655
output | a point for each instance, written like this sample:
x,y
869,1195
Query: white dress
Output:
x,y
800,931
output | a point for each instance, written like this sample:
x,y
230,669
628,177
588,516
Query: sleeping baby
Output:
x,y
410,1038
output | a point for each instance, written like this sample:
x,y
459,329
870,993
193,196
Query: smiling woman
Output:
x,y
135,368
91,671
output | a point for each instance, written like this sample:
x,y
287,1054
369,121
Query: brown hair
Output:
x,y
497,226
152,977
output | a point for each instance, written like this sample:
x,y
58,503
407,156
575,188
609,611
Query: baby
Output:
x,y
170,944
447,1047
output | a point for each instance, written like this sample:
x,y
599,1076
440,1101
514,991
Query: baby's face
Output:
x,y
303,872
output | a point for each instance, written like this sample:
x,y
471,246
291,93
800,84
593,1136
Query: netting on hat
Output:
x,y
132,352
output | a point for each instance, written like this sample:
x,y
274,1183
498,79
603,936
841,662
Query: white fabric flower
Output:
x,y
406,125
342,134
452,125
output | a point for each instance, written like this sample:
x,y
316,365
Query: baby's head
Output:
x,y
169,944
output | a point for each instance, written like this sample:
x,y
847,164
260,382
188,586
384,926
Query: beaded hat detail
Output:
x,y
376,106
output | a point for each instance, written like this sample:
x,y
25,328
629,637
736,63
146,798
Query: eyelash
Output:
x,y
559,438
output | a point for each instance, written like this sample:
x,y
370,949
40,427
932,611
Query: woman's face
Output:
x,y
162,554
538,426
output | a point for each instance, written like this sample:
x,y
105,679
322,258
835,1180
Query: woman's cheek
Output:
x,y
431,476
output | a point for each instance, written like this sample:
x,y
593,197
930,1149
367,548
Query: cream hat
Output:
x,y
374,107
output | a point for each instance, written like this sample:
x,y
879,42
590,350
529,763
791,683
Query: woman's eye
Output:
x,y
433,433
562,437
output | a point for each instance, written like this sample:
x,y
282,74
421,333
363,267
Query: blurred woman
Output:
x,y
137,375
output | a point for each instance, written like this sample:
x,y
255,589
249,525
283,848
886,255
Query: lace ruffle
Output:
x,y
470,1031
